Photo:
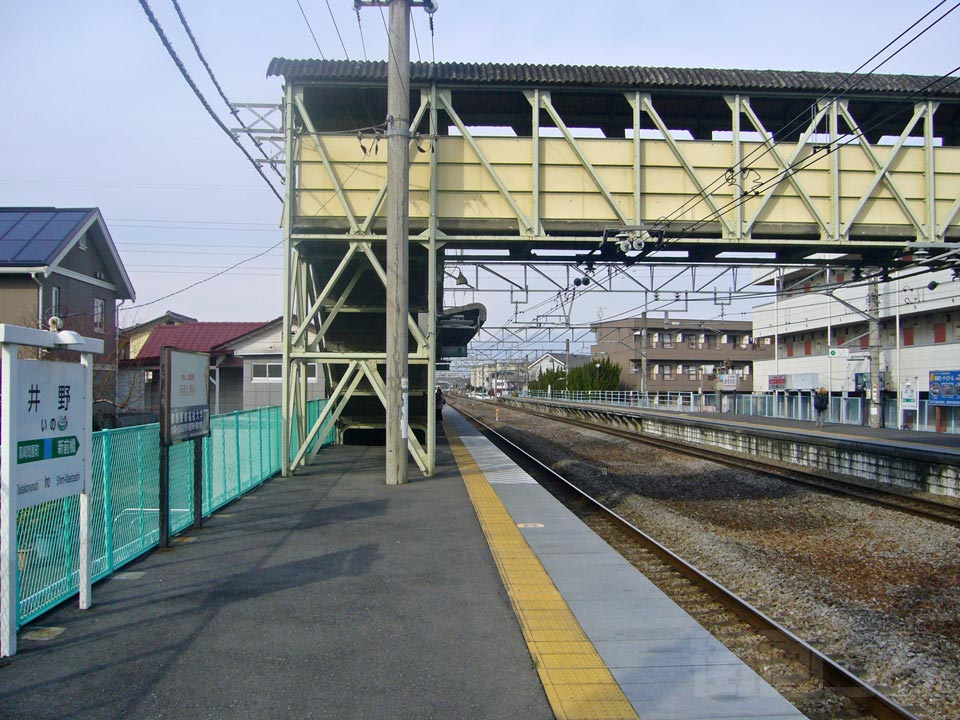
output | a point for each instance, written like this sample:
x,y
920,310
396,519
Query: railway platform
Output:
x,y
332,595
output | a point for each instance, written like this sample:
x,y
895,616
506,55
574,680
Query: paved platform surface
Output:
x,y
326,595
666,664
939,441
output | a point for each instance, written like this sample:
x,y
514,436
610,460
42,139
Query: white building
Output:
x,y
555,362
919,330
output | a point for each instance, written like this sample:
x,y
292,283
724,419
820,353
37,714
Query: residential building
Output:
x,y
555,362
245,364
918,319
133,338
499,376
683,355
63,263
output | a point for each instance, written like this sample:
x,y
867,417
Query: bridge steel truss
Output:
x,y
780,169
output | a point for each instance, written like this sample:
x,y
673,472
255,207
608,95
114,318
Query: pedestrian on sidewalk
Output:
x,y
821,401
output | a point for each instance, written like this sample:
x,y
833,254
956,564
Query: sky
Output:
x,y
94,113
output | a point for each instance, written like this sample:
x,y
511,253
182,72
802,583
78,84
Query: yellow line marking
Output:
x,y
577,683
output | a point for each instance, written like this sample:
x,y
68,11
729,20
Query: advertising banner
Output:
x,y
943,388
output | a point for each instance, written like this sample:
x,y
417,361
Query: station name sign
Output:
x,y
49,413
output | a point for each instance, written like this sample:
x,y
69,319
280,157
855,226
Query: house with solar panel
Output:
x,y
63,262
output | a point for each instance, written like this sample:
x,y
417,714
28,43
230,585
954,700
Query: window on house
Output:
x,y
908,336
272,372
55,298
667,372
939,332
691,372
711,342
82,242
667,339
99,311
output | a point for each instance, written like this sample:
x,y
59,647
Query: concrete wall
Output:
x,y
904,467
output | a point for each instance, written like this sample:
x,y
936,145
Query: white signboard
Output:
x,y
908,396
49,408
839,352
187,413
728,381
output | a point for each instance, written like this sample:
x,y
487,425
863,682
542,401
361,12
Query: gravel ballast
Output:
x,y
875,589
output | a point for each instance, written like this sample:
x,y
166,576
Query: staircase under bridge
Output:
x,y
681,166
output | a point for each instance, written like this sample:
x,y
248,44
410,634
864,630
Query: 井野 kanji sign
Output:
x,y
49,413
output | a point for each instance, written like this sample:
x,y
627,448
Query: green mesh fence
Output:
x,y
242,451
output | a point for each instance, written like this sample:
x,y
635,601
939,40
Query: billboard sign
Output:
x,y
944,386
186,411
49,410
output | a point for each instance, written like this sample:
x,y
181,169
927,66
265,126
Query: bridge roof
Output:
x,y
606,76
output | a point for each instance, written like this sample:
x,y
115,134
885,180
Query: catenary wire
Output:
x,y
767,146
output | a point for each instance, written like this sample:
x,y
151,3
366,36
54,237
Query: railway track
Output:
x,y
799,671
921,507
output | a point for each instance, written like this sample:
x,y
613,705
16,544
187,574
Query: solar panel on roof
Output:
x,y
27,228
38,251
60,227
10,248
8,220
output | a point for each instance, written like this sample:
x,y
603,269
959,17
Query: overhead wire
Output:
x,y
794,123
310,28
196,91
337,28
241,262
848,138
216,84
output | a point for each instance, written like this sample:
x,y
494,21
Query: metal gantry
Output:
x,y
704,162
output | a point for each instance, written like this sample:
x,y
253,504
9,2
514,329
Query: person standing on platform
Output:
x,y
821,401
440,402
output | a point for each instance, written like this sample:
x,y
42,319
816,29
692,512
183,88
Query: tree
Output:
x,y
553,380
595,375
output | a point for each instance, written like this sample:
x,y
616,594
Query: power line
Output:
x,y
416,39
768,145
337,28
233,110
311,30
241,262
203,101
363,42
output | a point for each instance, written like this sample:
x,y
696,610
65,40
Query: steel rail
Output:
x,y
891,499
820,666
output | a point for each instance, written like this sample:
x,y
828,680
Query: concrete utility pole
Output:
x,y
873,312
398,221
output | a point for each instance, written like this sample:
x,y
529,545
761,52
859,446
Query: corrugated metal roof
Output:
x,y
35,236
634,77
196,336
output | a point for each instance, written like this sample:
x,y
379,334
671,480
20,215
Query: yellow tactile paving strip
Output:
x,y
578,685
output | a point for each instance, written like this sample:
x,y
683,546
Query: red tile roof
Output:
x,y
197,336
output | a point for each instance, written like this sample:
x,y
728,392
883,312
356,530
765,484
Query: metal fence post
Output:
x,y
236,438
108,496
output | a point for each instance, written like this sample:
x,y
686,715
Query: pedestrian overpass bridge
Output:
x,y
541,164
